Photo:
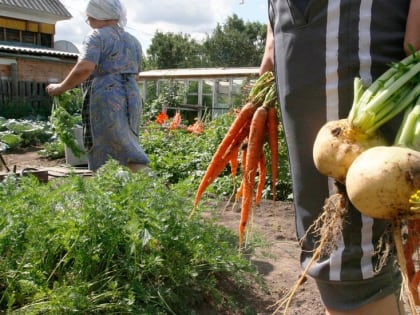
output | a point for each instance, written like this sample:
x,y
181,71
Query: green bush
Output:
x,y
23,109
177,155
117,243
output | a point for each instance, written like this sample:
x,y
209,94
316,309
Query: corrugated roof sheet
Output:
x,y
36,51
54,7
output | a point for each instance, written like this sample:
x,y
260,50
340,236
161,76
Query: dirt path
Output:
x,y
28,157
277,260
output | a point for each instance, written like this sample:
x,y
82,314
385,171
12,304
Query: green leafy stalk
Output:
x,y
271,97
63,123
261,84
358,92
390,94
409,133
388,77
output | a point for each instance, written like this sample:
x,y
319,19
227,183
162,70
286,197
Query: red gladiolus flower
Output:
x,y
161,118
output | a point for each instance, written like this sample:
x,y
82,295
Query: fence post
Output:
x,y
14,73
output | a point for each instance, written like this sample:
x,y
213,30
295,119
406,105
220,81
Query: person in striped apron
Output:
x,y
316,49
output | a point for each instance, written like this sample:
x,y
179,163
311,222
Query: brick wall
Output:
x,y
5,71
42,71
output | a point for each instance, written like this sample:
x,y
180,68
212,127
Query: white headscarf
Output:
x,y
107,10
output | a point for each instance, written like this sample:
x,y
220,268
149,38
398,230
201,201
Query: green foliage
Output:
x,y
65,116
117,243
236,44
20,108
19,133
177,155
169,50
233,44
172,95
53,149
72,101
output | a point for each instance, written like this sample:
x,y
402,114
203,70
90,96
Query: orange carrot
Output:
x,y
243,167
273,144
256,98
213,170
240,190
261,182
234,162
237,132
254,150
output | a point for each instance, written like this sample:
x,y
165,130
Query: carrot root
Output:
x,y
254,151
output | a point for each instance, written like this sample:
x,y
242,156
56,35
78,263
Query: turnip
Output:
x,y
339,142
381,180
337,145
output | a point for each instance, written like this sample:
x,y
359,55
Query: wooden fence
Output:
x,y
28,94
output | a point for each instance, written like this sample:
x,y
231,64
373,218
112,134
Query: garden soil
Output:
x,y
277,256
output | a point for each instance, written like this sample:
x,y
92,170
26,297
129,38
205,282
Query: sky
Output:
x,y
194,17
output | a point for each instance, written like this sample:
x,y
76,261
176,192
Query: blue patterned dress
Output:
x,y
112,102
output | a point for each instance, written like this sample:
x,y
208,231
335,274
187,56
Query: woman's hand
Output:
x,y
54,89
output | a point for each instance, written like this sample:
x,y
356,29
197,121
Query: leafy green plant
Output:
x,y
54,149
172,95
21,108
65,116
177,156
18,133
116,243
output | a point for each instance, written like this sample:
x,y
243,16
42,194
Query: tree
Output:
x,y
236,44
171,50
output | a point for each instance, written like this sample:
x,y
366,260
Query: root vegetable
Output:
x,y
381,180
383,183
253,155
339,142
337,145
262,171
238,131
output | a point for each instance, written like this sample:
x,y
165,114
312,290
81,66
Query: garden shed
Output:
x,y
207,91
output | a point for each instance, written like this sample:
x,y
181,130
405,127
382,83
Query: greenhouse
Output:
x,y
206,91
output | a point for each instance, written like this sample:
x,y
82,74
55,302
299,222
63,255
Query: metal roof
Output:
x,y
53,7
36,51
196,73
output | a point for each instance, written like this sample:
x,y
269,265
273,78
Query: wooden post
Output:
x,y
14,73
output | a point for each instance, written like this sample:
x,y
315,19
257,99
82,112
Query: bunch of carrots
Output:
x,y
255,124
